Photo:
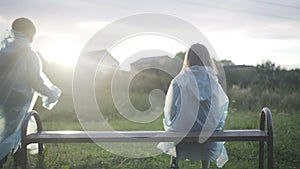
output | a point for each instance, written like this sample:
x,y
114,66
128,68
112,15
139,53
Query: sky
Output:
x,y
245,31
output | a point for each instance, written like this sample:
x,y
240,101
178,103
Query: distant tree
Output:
x,y
180,55
268,66
239,75
266,75
226,62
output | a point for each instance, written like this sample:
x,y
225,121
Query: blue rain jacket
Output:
x,y
21,75
195,101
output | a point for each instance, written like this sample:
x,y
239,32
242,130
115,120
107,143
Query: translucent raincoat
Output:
x,y
20,76
196,102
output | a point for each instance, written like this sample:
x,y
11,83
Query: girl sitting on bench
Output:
x,y
195,101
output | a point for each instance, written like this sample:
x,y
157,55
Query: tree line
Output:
x,y
249,88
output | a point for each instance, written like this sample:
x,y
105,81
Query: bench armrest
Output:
x,y
266,117
26,121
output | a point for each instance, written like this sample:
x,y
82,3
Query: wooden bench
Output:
x,y
261,135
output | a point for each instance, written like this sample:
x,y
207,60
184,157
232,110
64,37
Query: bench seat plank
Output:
x,y
140,136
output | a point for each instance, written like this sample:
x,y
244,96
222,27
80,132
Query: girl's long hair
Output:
x,y
198,55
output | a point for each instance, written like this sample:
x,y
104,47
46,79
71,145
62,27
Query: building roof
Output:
x,y
147,60
94,56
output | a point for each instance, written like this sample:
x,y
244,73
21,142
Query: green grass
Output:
x,y
242,155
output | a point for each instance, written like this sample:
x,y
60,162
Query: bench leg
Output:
x,y
41,148
20,158
270,154
24,158
261,154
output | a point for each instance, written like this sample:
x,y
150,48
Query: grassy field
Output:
x,y
243,155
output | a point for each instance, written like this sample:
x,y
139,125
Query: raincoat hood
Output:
x,y
14,42
201,80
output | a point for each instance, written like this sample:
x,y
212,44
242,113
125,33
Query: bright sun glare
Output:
x,y
62,52
66,52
